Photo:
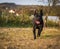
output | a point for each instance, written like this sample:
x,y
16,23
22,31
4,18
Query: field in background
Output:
x,y
16,27
22,38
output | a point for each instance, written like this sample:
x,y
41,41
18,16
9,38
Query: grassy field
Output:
x,y
22,38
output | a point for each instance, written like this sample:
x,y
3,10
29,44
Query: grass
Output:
x,y
26,24
22,38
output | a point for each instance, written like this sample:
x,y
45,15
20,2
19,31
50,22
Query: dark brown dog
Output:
x,y
38,23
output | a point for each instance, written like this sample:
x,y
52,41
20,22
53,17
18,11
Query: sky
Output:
x,y
26,2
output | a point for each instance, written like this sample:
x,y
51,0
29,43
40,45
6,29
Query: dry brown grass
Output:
x,y
22,38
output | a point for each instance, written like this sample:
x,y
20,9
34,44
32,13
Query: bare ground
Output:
x,y
22,38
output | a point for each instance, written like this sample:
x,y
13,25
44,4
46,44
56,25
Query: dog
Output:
x,y
38,23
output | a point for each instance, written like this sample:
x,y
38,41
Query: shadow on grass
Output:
x,y
16,25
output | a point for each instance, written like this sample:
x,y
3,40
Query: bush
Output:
x,y
52,24
23,20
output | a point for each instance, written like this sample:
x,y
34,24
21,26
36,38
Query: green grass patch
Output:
x,y
49,36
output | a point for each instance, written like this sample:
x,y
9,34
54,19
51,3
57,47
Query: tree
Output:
x,y
54,4
51,4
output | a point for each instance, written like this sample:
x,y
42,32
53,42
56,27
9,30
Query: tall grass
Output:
x,y
11,20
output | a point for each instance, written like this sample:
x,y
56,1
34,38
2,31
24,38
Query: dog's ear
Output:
x,y
41,12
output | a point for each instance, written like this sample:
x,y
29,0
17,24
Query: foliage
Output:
x,y
50,23
23,20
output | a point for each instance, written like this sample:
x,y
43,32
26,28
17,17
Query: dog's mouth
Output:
x,y
37,22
